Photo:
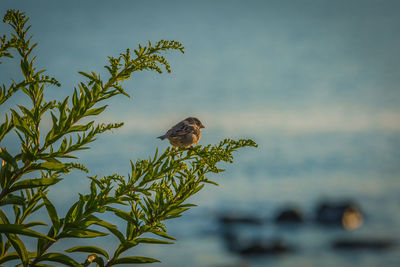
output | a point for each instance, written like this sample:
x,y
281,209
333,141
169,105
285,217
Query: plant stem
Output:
x,y
44,250
13,179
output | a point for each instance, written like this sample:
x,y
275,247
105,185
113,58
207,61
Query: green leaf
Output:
x,y
99,261
77,212
80,128
19,247
124,246
32,183
5,156
86,75
63,145
3,217
9,257
163,234
51,166
68,216
1,245
31,224
211,182
5,127
42,243
95,111
21,229
122,214
177,211
12,199
152,241
134,259
112,228
60,258
51,210
44,265
14,256
94,258
90,249
87,233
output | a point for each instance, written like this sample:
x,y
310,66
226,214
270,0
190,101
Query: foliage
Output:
x,y
156,189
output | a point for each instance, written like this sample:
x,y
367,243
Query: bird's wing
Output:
x,y
180,129
174,128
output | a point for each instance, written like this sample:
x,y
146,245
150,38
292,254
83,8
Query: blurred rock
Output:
x,y
345,214
238,219
231,226
291,215
359,244
238,243
265,247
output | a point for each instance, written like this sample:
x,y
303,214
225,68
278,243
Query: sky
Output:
x,y
251,66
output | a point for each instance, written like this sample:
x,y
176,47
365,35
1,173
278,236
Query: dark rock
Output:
x,y
368,244
259,248
230,228
238,219
289,216
230,239
345,214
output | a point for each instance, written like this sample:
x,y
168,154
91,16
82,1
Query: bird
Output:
x,y
185,133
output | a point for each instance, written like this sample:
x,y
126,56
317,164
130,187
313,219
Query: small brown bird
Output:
x,y
184,134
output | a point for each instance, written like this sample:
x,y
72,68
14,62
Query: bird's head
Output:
x,y
196,121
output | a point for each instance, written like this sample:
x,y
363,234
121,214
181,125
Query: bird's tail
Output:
x,y
162,137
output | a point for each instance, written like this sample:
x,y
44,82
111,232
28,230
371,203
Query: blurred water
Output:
x,y
286,170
